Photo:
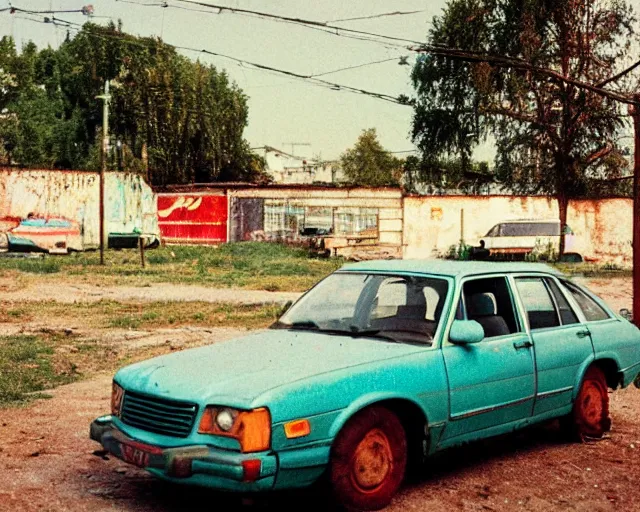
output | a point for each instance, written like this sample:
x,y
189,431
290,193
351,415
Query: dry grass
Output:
x,y
106,314
251,265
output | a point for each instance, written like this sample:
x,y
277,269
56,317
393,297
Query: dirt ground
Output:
x,y
48,463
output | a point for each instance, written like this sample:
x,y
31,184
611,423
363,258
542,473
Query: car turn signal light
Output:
x,y
117,394
252,429
297,428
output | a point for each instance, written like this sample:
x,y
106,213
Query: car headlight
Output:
x,y
252,428
117,394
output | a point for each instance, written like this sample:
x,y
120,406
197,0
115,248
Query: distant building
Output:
x,y
289,169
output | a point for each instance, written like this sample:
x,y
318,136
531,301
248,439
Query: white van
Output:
x,y
522,236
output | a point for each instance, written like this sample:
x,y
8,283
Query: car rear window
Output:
x,y
593,312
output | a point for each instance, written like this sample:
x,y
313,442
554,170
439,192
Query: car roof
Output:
x,y
448,267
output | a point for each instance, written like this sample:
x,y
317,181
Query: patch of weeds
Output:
x,y
26,366
462,251
16,313
149,316
198,317
124,322
32,265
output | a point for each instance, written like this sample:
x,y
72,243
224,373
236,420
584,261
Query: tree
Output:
x,y
369,164
551,137
182,120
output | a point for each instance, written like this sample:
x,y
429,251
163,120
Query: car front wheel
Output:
x,y
368,460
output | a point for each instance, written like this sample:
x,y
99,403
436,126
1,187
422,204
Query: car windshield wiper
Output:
x,y
357,332
307,325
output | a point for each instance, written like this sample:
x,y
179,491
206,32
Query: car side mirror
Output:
x,y
625,313
464,332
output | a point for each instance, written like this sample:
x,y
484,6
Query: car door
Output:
x,y
491,383
561,342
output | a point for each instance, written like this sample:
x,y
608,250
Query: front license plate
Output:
x,y
134,456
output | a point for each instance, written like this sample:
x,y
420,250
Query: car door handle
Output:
x,y
522,344
582,334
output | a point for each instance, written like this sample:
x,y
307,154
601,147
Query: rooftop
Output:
x,y
449,267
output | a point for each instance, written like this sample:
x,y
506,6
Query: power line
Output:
x,y
387,41
297,21
382,15
619,75
354,67
308,78
517,63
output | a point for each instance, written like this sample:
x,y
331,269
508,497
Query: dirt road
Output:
x,y
47,462
79,292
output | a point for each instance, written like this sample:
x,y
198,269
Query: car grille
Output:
x,y
158,415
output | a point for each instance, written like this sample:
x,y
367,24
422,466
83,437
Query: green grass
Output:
x,y
31,364
254,265
26,367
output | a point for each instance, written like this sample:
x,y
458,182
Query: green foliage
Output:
x,y
461,251
542,252
369,164
46,265
182,121
26,367
551,138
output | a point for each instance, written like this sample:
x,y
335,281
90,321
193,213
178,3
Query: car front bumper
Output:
x,y
201,465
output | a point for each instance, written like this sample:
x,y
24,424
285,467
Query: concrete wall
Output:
x,y
129,202
432,224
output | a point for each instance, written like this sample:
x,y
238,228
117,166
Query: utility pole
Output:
x,y
634,110
103,157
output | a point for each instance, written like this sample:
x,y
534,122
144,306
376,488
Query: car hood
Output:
x,y
237,371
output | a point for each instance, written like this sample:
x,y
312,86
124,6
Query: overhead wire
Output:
x,y
306,77
381,15
310,24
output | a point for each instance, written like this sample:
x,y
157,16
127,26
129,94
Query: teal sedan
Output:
x,y
374,369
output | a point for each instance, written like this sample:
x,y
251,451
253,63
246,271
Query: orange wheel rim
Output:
x,y
372,461
591,404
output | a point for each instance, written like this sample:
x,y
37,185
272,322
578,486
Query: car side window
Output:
x,y
567,316
591,309
538,303
488,302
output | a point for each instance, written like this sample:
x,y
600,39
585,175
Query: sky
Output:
x,y
282,110
319,122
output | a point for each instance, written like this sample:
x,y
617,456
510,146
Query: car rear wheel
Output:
x,y
590,414
368,460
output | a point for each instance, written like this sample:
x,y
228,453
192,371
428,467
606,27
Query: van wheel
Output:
x,y
368,460
590,414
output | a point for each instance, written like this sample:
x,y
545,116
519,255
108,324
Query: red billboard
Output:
x,y
192,218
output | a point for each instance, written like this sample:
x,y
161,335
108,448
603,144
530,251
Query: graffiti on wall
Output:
x,y
73,196
192,218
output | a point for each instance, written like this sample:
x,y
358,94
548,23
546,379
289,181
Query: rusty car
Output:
x,y
369,373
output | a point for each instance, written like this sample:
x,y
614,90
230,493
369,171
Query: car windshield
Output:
x,y
389,307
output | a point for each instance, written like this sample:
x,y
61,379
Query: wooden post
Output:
x,y
103,164
634,110
141,243
461,225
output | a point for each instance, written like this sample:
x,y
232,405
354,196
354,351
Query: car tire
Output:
x,y
368,460
590,414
